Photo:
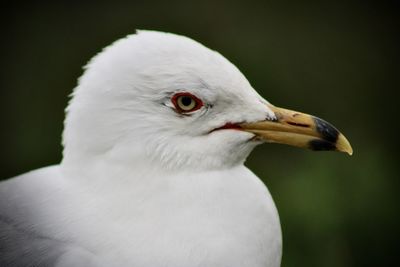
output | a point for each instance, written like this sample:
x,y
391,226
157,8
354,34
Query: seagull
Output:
x,y
155,139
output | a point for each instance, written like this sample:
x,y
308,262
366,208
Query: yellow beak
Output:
x,y
300,130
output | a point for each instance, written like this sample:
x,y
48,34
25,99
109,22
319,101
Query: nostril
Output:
x,y
298,124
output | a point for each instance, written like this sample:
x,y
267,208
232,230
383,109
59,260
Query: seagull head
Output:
x,y
166,100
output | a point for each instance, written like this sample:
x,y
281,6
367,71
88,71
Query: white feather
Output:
x,y
141,185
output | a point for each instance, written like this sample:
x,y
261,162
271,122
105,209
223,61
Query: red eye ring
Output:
x,y
186,102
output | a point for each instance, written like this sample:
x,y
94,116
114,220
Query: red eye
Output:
x,y
186,102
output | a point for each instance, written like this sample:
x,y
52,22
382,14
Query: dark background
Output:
x,y
337,60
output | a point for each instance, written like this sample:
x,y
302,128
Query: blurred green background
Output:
x,y
335,59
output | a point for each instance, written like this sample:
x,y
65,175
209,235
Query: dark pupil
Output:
x,y
186,101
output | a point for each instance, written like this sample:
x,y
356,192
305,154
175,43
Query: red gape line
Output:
x,y
228,125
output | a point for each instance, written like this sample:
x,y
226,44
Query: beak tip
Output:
x,y
349,152
343,145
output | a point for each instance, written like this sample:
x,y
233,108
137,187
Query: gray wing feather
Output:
x,y
22,247
22,243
